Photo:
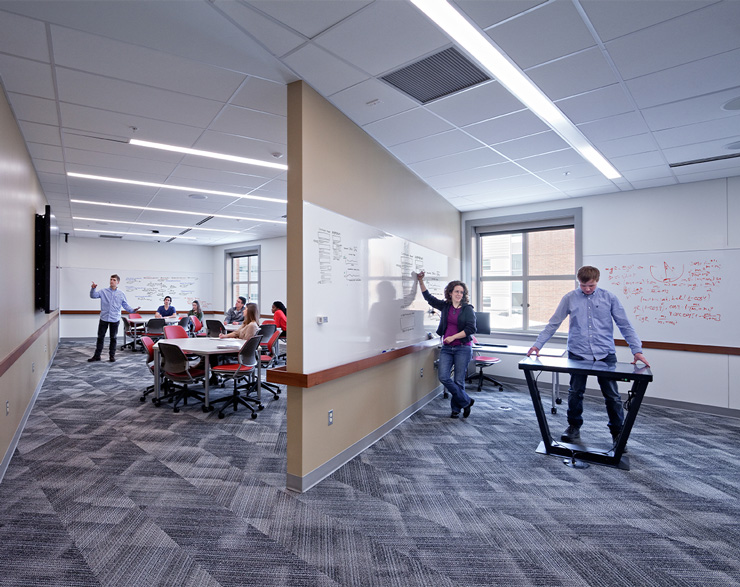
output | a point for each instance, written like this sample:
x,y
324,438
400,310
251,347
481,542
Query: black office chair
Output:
x,y
155,328
178,374
214,328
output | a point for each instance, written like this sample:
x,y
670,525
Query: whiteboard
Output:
x,y
142,288
684,297
361,279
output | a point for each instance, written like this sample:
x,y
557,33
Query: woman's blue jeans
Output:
x,y
458,357
608,389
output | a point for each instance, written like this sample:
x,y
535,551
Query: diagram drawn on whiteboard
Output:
x,y
668,274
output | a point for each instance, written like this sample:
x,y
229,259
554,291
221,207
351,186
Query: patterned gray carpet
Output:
x,y
105,490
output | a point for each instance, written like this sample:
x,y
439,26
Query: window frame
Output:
x,y
229,256
545,220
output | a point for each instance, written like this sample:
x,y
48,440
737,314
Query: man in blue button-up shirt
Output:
x,y
593,313
111,301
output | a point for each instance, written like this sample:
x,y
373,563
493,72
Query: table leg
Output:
x,y
156,375
207,386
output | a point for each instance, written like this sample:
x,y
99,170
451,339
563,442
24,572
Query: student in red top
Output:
x,y
280,315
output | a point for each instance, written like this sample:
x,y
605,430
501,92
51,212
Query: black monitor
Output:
x,y
483,322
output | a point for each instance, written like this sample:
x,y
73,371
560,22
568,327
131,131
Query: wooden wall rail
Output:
x,y
688,348
8,361
282,376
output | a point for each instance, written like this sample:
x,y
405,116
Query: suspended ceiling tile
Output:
x,y
33,109
407,126
508,127
547,32
252,124
532,145
614,127
595,105
27,77
323,71
697,109
40,133
564,77
309,18
486,14
565,160
439,145
457,162
372,100
264,95
383,37
476,104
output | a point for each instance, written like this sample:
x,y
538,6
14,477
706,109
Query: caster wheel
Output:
x,y
274,397
220,415
176,410
254,416
210,408
157,402
558,401
142,399
554,410
500,388
260,407
204,409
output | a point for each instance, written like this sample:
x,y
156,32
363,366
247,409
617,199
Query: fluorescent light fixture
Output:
x,y
124,233
152,224
201,214
181,188
499,65
211,154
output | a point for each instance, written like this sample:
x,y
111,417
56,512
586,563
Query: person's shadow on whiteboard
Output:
x,y
385,318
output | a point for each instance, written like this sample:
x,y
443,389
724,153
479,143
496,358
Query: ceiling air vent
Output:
x,y
110,236
438,75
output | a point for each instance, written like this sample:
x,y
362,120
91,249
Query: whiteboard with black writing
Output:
x,y
362,280
687,297
142,288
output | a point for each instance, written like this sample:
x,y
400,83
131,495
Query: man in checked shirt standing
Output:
x,y
593,313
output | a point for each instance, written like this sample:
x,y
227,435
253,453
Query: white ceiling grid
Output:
x,y
645,81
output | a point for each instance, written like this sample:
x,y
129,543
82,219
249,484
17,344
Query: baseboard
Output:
x,y
302,484
17,436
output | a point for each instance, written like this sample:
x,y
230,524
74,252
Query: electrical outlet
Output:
x,y
331,417
7,408
44,348
33,367
421,372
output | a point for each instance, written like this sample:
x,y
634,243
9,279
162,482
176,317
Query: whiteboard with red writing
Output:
x,y
688,297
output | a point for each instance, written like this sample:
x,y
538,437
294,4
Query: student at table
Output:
x,y
235,315
166,309
111,301
456,327
250,324
593,313
196,311
280,315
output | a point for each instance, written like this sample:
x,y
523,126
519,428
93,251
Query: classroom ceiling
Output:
x,y
649,83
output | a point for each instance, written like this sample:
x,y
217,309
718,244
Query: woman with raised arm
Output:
x,y
456,327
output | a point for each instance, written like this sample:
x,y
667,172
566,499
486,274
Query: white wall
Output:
x,y
122,256
696,216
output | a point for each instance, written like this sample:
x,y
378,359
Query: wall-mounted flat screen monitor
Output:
x,y
483,322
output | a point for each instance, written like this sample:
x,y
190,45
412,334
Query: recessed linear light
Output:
x,y
173,187
152,224
211,154
149,209
500,66
124,233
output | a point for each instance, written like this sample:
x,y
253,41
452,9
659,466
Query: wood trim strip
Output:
x,y
10,360
282,376
142,312
689,348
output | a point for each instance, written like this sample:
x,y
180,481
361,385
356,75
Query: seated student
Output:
x,y
166,309
280,315
235,315
196,311
250,325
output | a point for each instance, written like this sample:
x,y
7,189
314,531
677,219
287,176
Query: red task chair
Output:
x,y
247,370
175,331
482,362
268,356
197,326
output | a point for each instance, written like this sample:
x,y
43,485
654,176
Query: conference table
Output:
x,y
638,375
137,322
204,347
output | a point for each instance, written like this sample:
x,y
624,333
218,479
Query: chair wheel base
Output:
x,y
221,416
254,416
142,398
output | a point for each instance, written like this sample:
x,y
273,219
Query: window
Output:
x,y
522,266
243,276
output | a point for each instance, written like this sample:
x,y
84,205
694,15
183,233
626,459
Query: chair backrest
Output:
x,y
215,327
127,326
149,346
267,330
175,331
197,324
185,323
248,354
155,326
137,316
269,321
270,344
175,360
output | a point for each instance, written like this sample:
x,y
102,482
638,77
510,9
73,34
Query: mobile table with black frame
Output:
x,y
640,376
